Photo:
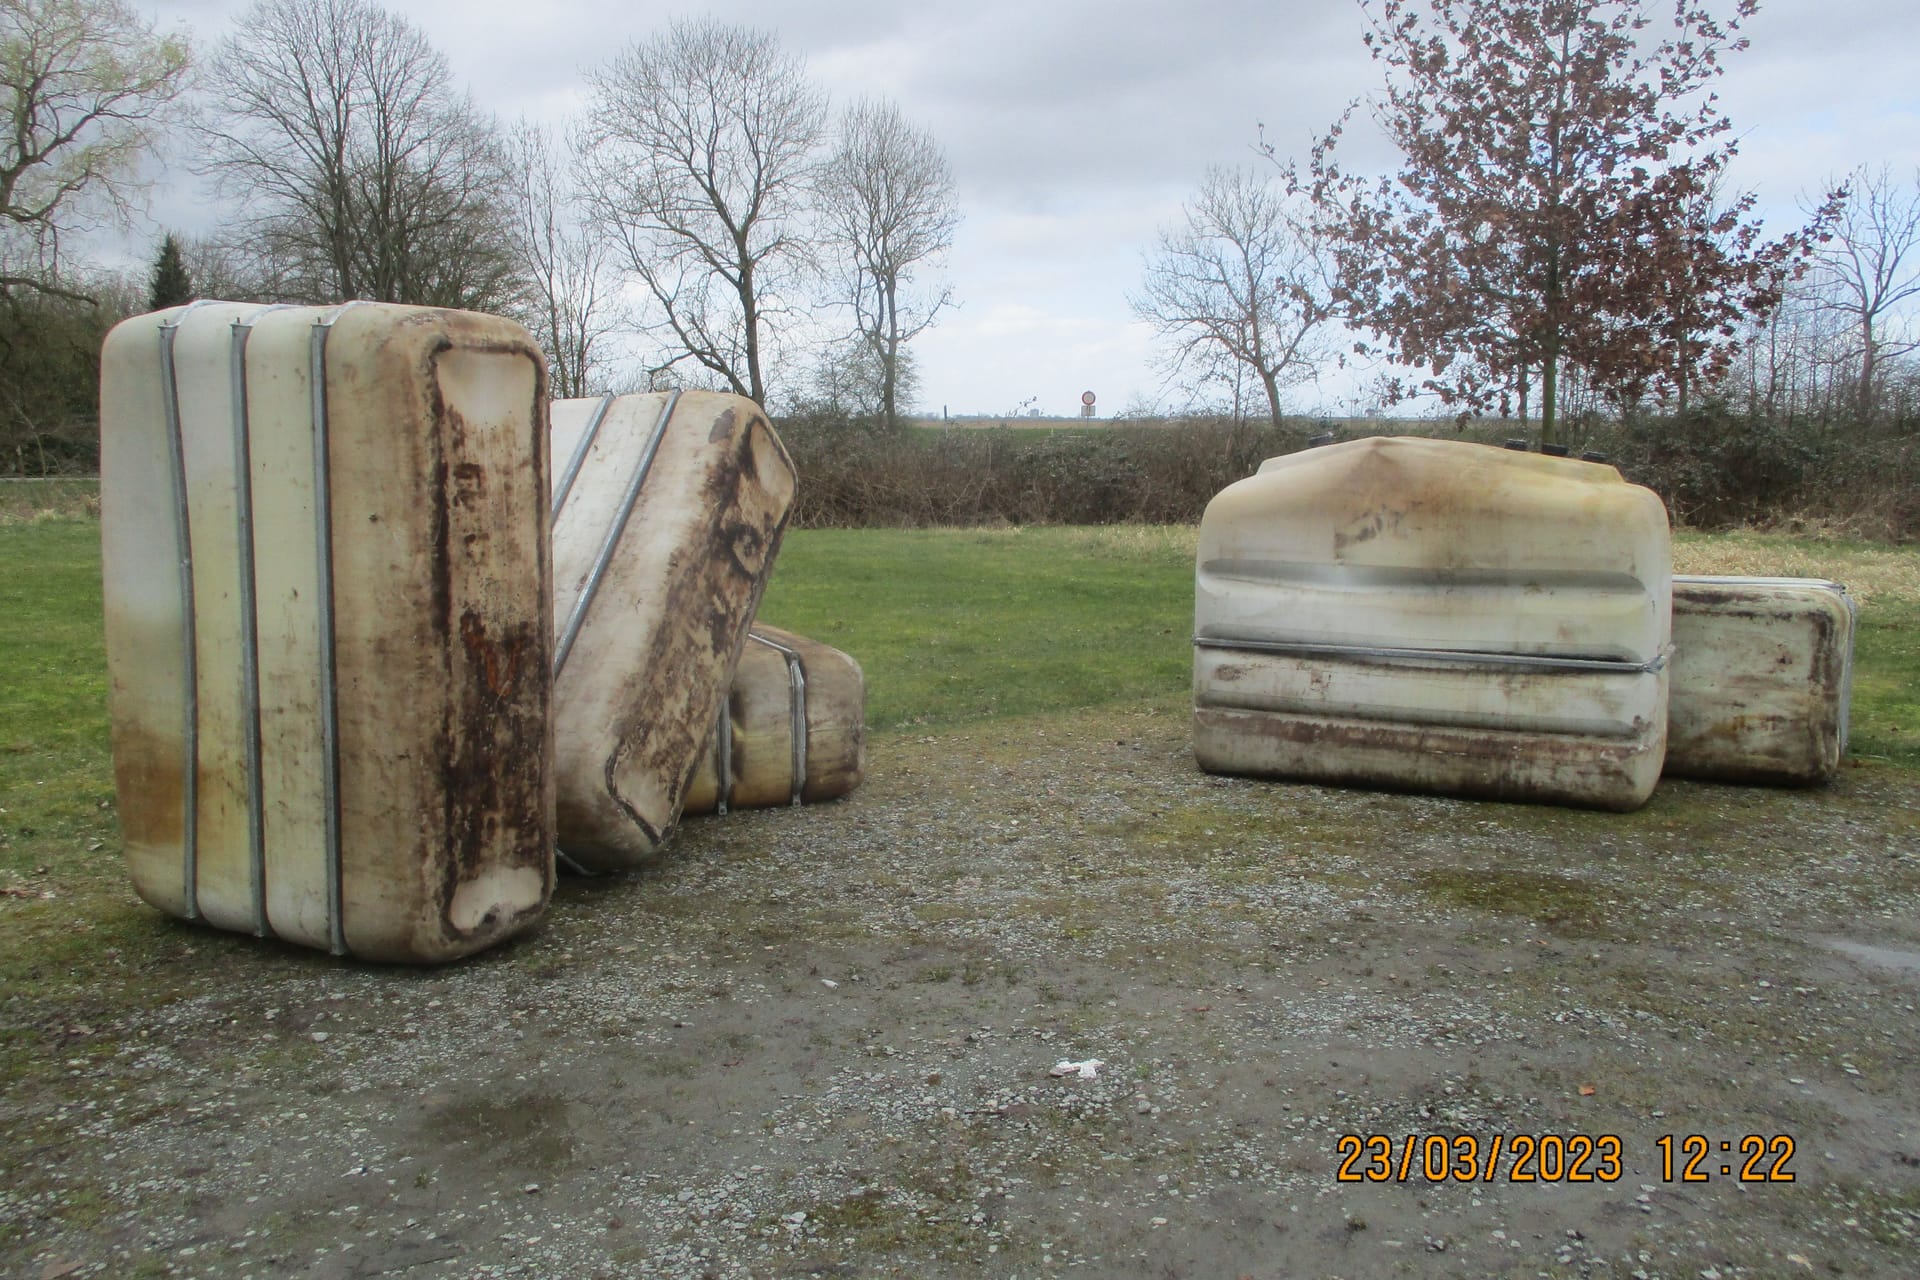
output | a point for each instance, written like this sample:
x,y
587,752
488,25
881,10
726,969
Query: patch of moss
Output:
x,y
1565,905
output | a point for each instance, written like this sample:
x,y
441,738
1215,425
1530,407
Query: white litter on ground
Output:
x,y
1088,1070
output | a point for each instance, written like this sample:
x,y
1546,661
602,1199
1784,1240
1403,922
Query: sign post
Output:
x,y
1086,404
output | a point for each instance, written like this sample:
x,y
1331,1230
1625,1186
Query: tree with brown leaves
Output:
x,y
1555,206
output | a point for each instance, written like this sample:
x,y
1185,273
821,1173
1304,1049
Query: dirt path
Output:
x,y
818,1043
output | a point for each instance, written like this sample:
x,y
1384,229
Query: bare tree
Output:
x,y
846,378
1869,269
699,148
1240,284
338,122
569,306
83,84
888,202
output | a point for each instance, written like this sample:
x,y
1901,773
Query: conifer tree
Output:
x,y
171,284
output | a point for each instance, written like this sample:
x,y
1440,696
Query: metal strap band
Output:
x,y
250,620
189,630
249,626
1723,580
797,710
560,856
587,438
577,617
1507,661
723,753
329,676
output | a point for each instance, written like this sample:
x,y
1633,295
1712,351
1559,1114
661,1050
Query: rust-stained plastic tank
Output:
x,y
668,511
792,731
329,636
1762,674
1435,615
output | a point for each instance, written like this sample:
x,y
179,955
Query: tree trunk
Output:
x,y
749,313
1272,385
1867,370
1549,395
890,358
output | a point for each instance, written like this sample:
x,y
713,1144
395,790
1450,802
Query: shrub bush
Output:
x,y
853,475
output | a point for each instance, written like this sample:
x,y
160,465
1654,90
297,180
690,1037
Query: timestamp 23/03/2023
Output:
x,y
1553,1157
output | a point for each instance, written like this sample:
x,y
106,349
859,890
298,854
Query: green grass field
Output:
x,y
951,626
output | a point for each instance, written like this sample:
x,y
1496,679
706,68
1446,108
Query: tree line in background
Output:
x,y
707,204
1558,245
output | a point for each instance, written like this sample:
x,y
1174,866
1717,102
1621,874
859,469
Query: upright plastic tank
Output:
x,y
1762,674
329,622
1435,615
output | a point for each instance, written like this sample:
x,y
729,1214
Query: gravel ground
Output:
x,y
818,1043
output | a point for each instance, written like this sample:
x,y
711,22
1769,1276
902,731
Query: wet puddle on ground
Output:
x,y
1906,962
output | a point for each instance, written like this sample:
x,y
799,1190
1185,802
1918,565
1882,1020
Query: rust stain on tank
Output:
x,y
495,787
149,788
470,480
664,736
1492,765
498,661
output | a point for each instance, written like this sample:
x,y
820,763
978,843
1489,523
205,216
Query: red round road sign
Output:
x,y
1086,397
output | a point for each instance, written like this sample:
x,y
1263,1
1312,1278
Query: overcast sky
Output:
x,y
1075,128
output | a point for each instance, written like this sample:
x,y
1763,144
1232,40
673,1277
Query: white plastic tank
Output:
x,y
668,512
791,731
1762,675
328,622
1435,615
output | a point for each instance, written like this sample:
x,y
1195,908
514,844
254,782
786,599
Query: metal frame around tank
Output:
x,y
189,621
1544,663
249,618
797,699
329,673
723,754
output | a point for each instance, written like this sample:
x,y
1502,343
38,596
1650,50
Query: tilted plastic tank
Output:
x,y
668,512
1762,675
791,731
1435,615
324,537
